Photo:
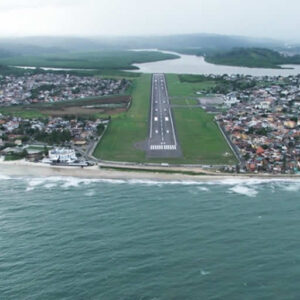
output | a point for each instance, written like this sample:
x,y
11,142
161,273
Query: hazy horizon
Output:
x,y
90,18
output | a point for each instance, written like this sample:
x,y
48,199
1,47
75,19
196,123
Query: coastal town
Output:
x,y
258,116
262,125
32,138
55,87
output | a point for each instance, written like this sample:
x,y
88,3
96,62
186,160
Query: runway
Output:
x,y
162,141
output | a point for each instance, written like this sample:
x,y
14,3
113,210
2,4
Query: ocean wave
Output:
x,y
203,188
292,187
162,182
244,190
4,177
204,273
253,181
63,182
50,185
90,193
237,185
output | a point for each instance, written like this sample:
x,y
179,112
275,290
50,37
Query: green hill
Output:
x,y
253,58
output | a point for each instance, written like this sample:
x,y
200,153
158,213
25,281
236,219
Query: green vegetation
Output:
x,y
253,58
220,85
199,136
179,86
103,60
91,107
18,111
56,137
16,156
185,101
128,129
106,73
100,129
195,78
6,70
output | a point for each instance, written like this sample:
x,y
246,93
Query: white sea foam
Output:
x,y
34,182
246,183
4,177
50,185
252,181
64,182
90,193
204,273
203,188
292,187
244,190
161,182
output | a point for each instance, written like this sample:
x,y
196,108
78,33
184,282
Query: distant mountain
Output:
x,y
5,53
187,42
18,47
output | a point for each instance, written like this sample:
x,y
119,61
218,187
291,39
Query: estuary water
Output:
x,y
68,238
191,64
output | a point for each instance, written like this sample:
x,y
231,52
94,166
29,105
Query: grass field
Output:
x,y
129,128
21,113
184,101
199,136
185,89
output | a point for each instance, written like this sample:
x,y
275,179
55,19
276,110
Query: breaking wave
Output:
x,y
244,190
243,186
4,177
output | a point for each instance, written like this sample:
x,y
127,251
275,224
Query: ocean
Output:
x,y
71,238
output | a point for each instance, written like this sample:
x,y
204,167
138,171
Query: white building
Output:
x,y
230,100
62,155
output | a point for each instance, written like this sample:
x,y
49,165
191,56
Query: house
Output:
x,y
62,155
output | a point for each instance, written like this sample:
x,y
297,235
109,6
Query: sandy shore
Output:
x,y
24,168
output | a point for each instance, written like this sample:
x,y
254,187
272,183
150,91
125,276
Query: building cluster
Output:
x,y
17,133
51,87
263,125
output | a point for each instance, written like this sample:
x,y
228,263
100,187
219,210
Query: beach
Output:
x,y
25,168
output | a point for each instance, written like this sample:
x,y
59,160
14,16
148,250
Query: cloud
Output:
x,y
23,4
267,18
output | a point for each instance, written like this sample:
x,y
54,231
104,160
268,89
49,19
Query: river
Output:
x,y
191,64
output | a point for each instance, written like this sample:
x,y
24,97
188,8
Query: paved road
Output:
x,y
162,140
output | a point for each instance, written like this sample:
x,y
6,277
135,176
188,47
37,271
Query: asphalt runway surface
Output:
x,y
162,141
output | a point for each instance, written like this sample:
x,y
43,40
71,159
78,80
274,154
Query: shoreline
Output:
x,y
29,169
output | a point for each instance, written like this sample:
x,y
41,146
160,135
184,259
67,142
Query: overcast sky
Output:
x,y
262,18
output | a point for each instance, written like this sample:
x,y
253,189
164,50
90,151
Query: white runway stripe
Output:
x,y
163,147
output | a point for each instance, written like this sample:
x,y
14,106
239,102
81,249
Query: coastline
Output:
x,y
29,169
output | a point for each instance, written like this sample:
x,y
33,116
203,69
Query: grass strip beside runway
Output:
x,y
186,89
129,128
199,136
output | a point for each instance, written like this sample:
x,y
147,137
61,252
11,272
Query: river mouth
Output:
x,y
192,64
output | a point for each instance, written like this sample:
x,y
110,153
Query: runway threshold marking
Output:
x,y
163,147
